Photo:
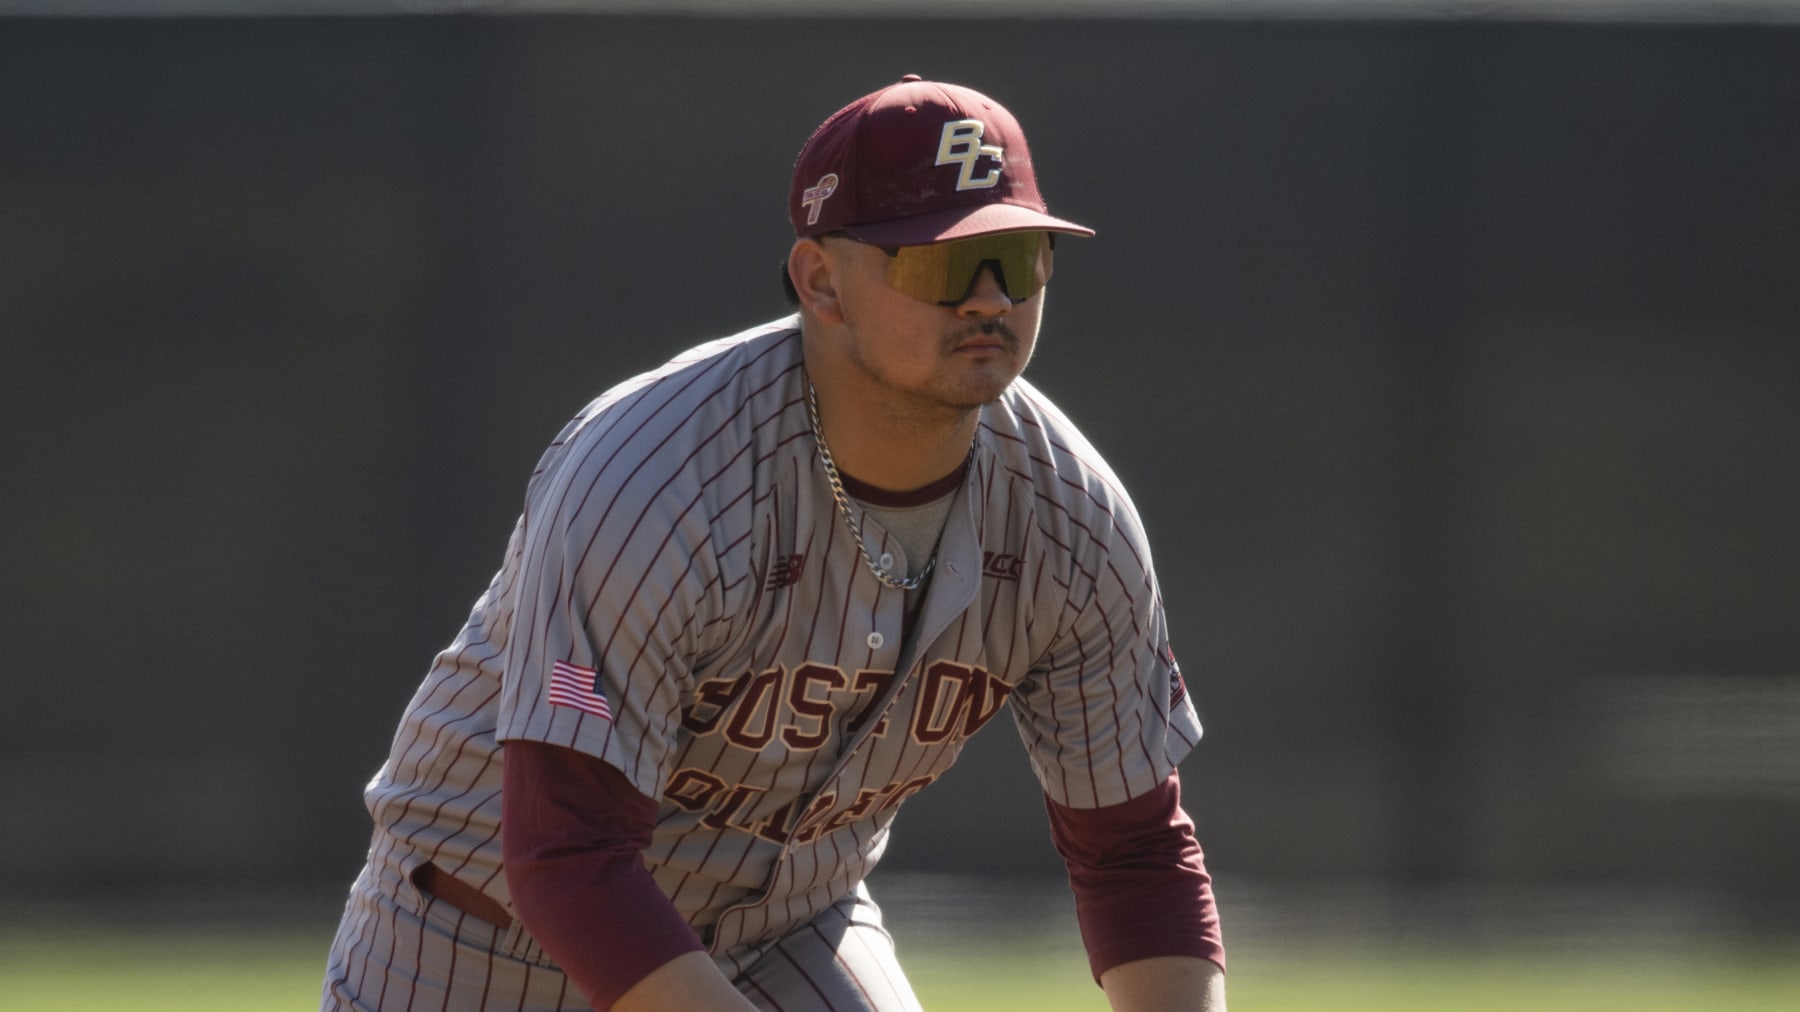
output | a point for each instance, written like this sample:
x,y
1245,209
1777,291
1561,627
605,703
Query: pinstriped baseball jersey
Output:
x,y
681,599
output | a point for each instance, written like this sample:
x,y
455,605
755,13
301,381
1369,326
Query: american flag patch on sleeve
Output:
x,y
574,686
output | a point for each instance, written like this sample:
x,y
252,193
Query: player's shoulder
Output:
x,y
1034,440
702,375
726,378
684,416
1075,498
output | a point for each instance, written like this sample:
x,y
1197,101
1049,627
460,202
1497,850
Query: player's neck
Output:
x,y
903,465
889,446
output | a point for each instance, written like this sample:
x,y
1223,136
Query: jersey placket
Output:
x,y
951,592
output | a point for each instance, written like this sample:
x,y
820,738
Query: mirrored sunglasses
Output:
x,y
945,272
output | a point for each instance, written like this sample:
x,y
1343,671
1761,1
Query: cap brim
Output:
x,y
961,223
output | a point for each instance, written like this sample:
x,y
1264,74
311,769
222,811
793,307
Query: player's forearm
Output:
x,y
573,832
689,981
1165,984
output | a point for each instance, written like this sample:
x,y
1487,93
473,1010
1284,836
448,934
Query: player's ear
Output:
x,y
813,272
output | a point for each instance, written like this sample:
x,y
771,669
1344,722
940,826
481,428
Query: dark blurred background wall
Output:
x,y
1453,365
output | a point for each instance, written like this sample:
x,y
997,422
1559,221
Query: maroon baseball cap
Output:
x,y
919,162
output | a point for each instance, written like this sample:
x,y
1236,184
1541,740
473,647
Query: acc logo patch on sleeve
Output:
x,y
577,687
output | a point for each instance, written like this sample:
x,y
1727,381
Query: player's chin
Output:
x,y
979,388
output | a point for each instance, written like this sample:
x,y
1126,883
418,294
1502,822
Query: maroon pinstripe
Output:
x,y
780,722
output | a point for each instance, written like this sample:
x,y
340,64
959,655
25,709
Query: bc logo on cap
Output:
x,y
961,142
814,196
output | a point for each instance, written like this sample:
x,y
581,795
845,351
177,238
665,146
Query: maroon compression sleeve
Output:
x,y
573,832
1139,878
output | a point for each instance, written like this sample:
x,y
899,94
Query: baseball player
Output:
x,y
760,597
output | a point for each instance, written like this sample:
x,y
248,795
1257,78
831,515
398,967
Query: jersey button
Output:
x,y
887,560
876,640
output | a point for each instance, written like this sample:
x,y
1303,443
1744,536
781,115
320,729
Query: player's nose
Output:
x,y
987,296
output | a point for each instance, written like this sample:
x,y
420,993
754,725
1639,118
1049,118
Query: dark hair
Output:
x,y
787,286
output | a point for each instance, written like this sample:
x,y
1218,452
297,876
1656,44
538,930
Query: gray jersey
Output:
x,y
681,599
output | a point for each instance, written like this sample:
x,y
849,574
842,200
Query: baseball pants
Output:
x,y
398,948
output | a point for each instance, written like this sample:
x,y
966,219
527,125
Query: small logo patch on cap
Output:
x,y
814,196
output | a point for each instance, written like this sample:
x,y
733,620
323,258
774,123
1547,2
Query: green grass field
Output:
x,y
199,971
1294,981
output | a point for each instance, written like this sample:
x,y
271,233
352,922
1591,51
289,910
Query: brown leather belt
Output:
x,y
461,895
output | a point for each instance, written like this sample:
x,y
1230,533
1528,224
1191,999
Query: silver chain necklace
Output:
x,y
843,503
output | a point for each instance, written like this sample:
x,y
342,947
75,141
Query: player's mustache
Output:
x,y
986,327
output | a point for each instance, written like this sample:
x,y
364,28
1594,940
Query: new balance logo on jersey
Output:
x,y
960,144
785,572
1001,566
